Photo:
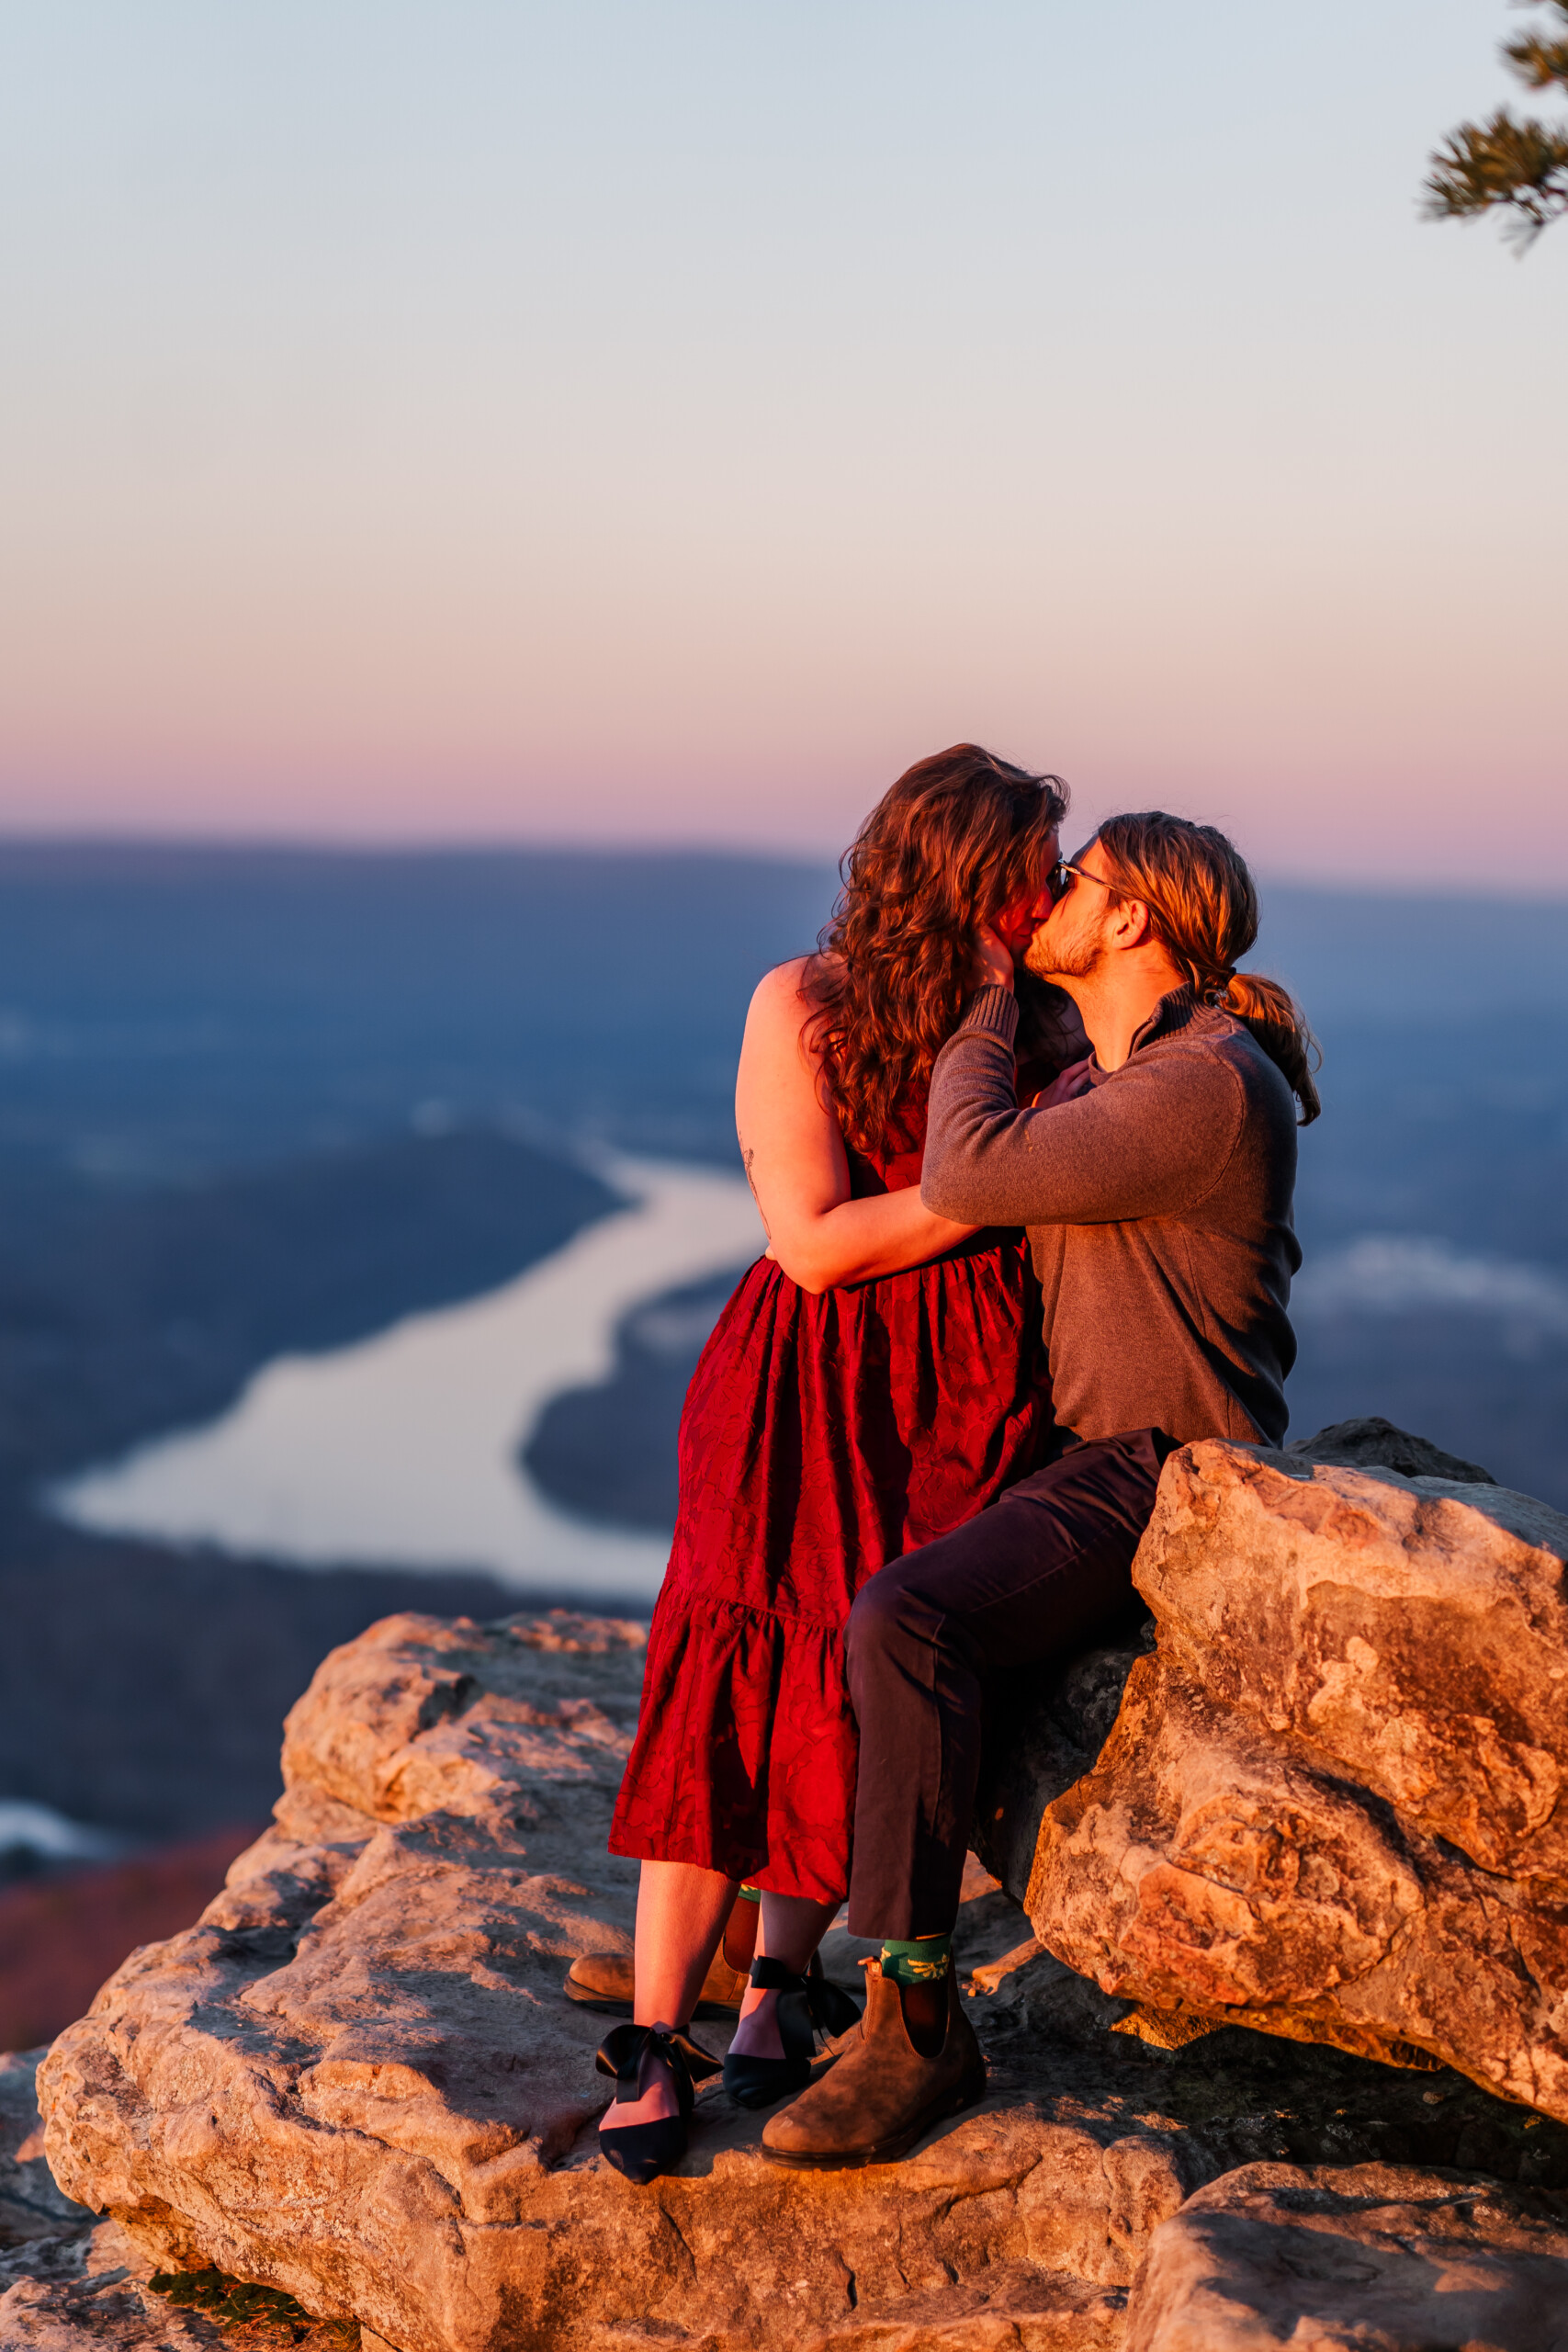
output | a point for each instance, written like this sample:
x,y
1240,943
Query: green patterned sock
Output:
x,y
924,1961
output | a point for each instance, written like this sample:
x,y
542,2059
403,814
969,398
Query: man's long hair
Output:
x,y
1204,909
959,837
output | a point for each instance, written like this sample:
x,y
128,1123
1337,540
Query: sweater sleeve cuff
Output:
x,y
993,1012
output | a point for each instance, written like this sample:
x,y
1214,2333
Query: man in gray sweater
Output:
x,y
1156,1179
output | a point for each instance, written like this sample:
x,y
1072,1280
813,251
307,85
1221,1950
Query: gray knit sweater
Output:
x,y
1159,1204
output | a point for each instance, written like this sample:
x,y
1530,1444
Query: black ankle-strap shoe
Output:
x,y
833,2011
640,2152
808,2004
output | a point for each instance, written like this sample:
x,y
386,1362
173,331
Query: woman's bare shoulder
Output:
x,y
780,1026
788,993
786,979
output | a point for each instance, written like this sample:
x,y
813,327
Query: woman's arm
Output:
x,y
795,1162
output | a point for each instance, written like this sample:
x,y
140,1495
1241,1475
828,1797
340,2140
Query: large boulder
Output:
x,y
356,2079
1331,1805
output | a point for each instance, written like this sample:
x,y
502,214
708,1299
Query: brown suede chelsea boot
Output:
x,y
604,1980
881,2095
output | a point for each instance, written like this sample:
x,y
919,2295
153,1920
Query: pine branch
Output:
x,y
1537,63
1521,165
1517,166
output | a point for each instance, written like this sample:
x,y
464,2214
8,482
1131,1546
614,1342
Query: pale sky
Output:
x,y
632,420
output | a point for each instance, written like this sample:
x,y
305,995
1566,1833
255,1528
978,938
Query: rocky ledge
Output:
x,y
355,2079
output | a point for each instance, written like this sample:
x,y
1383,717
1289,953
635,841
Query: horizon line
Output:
x,y
347,846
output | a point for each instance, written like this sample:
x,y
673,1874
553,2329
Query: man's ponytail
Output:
x,y
1275,1019
1202,908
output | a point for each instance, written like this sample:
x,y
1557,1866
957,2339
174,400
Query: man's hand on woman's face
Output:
x,y
992,967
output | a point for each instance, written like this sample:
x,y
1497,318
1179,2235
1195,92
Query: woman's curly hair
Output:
x,y
959,837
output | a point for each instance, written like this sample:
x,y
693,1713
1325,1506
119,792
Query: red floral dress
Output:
x,y
821,1438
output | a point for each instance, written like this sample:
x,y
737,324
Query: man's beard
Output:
x,y
1072,960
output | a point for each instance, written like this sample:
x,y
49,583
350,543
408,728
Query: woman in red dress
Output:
x,y
871,1384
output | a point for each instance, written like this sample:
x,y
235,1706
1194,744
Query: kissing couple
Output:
x,y
1023,1139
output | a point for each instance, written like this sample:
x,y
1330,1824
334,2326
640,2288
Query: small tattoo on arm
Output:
x,y
748,1156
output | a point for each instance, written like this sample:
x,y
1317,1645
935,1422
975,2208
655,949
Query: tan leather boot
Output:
x,y
603,1979
881,2095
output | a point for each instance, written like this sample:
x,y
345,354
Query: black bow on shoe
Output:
x,y
639,2151
807,2005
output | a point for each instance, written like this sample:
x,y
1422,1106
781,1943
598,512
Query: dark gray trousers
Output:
x,y
1036,1576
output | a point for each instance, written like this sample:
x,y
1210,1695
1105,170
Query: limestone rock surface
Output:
x,y
356,2079
1369,2259
1332,1804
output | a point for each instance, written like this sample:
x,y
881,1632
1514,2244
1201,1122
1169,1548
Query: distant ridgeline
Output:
x,y
173,1011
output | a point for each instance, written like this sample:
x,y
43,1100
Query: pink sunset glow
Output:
x,y
583,428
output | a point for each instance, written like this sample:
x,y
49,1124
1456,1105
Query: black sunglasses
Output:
x,y
1063,875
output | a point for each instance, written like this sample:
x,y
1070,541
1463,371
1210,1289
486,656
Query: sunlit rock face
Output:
x,y
1331,1806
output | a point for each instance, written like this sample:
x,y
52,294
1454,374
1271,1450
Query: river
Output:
x,y
403,1449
